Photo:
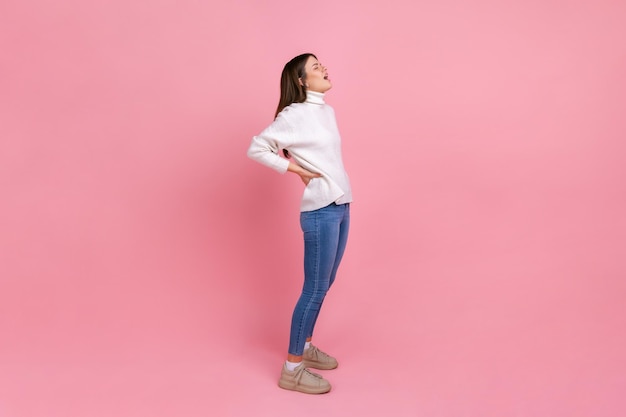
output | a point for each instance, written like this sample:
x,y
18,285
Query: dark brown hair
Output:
x,y
292,89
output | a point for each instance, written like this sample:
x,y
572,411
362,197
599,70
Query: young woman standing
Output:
x,y
305,130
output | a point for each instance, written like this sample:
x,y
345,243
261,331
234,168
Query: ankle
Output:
x,y
291,366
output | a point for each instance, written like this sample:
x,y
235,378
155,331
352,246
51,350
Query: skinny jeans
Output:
x,y
325,236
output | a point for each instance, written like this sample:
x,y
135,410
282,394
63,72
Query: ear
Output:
x,y
300,81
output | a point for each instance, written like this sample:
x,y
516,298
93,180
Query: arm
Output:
x,y
265,147
305,175
265,151
267,154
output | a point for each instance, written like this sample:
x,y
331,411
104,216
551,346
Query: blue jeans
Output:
x,y
325,236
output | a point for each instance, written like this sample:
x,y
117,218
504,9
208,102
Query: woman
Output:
x,y
306,132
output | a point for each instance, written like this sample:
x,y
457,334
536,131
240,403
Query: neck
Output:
x,y
314,97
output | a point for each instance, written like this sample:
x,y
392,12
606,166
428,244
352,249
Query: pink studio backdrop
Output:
x,y
148,268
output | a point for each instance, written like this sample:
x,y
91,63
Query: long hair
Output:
x,y
292,89
292,85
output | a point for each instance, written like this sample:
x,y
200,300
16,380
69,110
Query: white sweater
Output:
x,y
309,132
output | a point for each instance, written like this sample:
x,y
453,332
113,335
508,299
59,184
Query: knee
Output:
x,y
317,296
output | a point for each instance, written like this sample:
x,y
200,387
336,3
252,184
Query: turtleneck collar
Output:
x,y
314,97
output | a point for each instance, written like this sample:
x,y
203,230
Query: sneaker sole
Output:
x,y
293,387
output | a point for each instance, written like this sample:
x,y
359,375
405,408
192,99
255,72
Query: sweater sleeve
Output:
x,y
266,146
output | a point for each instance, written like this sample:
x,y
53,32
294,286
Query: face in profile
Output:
x,y
316,76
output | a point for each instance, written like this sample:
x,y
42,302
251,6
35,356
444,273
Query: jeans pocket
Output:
x,y
309,223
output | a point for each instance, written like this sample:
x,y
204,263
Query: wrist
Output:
x,y
295,168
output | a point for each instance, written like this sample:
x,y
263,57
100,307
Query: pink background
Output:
x,y
148,268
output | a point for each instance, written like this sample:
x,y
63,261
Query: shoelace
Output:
x,y
318,353
303,371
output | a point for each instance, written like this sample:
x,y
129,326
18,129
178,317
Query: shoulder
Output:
x,y
296,107
288,111
292,112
